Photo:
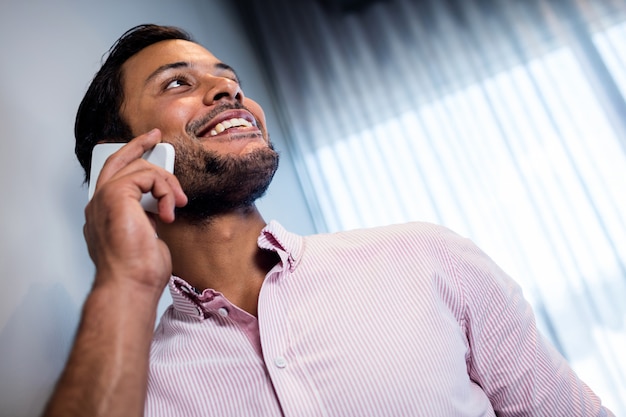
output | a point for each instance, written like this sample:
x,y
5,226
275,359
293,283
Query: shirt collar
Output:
x,y
289,247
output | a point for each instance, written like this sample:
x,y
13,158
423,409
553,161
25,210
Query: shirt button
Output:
x,y
223,311
280,362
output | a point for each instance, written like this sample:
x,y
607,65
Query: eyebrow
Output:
x,y
183,64
164,68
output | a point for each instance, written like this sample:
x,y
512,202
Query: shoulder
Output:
x,y
404,233
408,247
448,255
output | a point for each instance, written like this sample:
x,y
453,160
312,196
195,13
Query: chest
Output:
x,y
329,345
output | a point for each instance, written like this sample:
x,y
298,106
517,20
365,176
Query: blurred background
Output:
x,y
504,120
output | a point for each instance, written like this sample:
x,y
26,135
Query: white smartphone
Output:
x,y
162,155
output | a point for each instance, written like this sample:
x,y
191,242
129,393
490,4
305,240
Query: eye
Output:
x,y
175,82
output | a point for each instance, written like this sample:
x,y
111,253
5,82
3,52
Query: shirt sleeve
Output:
x,y
521,373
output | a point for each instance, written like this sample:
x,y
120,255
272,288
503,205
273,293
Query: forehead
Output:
x,y
141,66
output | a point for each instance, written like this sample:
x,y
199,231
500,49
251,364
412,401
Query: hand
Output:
x,y
120,235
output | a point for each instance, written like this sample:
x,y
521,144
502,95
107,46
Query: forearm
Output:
x,y
107,369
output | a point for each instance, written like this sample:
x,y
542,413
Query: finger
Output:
x,y
142,177
153,222
130,152
162,191
166,189
144,170
170,196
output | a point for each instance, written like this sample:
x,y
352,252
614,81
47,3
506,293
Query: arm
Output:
x,y
106,373
521,373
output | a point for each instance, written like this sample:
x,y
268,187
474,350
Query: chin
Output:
x,y
218,183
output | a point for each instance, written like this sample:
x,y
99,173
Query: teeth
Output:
x,y
227,124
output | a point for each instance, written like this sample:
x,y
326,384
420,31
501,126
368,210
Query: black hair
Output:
x,y
98,117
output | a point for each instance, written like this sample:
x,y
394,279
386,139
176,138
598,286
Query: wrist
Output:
x,y
142,287
129,302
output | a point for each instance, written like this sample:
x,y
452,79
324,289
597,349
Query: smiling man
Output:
x,y
400,320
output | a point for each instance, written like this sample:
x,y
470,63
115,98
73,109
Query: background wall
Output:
x,y
49,52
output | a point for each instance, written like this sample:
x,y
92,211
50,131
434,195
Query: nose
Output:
x,y
222,88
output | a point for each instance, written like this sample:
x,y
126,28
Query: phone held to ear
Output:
x,y
162,155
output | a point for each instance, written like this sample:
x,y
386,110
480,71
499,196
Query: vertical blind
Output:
x,y
504,120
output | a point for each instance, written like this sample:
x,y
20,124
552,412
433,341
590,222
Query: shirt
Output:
x,y
403,320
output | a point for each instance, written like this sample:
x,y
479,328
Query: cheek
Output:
x,y
256,110
171,118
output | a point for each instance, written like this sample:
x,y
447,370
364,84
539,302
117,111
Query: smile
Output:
x,y
224,121
228,124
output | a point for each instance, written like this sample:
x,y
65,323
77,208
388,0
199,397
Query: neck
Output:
x,y
221,254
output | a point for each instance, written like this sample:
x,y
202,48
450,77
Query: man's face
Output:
x,y
180,87
224,159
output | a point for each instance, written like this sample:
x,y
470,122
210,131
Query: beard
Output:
x,y
217,184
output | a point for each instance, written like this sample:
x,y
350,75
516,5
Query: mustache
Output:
x,y
194,126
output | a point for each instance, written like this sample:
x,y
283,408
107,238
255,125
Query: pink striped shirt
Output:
x,y
404,320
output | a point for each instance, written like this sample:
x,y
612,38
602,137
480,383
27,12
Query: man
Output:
x,y
400,320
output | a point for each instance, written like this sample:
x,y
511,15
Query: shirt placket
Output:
x,y
296,396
